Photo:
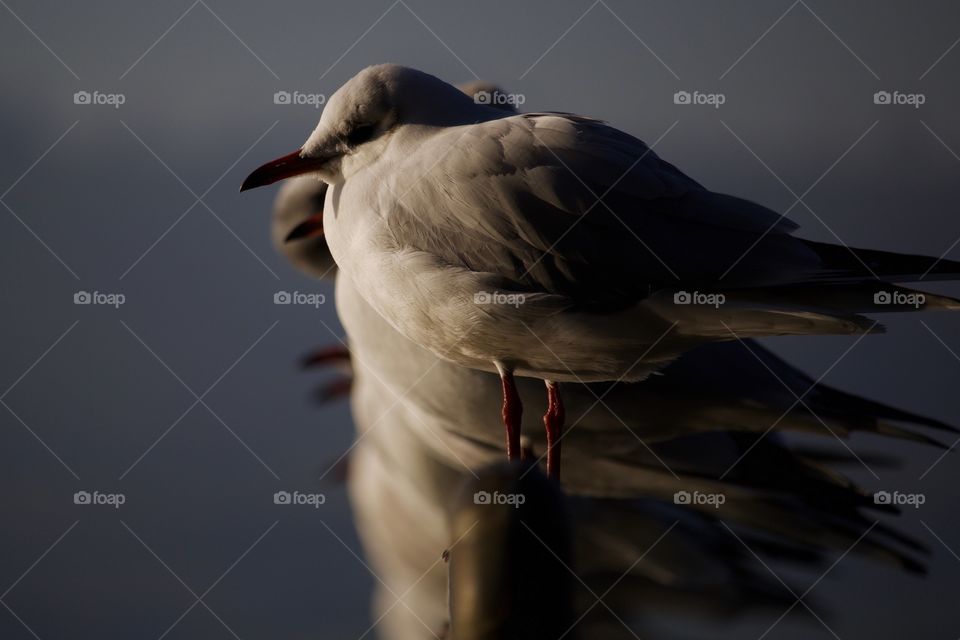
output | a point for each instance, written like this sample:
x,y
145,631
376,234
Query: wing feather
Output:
x,y
563,204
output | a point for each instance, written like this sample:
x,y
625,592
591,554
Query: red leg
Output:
x,y
512,414
553,420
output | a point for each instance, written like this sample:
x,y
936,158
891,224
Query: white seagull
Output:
x,y
408,474
438,206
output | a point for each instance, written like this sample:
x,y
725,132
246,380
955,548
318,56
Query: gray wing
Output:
x,y
518,197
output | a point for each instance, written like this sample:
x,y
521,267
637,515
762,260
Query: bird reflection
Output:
x,y
678,493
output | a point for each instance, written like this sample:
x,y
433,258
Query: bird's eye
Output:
x,y
360,134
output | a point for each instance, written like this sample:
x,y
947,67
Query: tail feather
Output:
x,y
824,308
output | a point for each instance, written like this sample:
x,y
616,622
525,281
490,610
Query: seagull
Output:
x,y
554,246
699,415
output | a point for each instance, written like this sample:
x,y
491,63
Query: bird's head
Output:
x,y
361,117
297,222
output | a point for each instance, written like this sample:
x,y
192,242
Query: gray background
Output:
x,y
82,207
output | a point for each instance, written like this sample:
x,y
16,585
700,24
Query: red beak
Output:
x,y
288,166
312,227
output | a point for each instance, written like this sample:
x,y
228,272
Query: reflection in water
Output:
x,y
677,492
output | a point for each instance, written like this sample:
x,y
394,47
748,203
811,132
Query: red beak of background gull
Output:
x,y
288,166
312,227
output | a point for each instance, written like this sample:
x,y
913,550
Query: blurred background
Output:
x,y
127,129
